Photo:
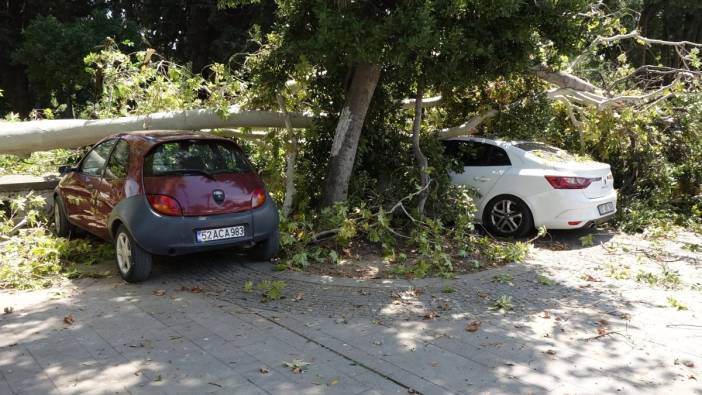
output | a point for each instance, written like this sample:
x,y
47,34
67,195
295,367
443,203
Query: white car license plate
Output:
x,y
230,232
606,208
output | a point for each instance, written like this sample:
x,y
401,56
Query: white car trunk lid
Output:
x,y
599,173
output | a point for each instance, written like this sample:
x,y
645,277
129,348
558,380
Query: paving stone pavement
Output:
x,y
192,329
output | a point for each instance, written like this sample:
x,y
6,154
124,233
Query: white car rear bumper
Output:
x,y
569,209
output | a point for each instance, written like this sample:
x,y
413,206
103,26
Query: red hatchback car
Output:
x,y
166,193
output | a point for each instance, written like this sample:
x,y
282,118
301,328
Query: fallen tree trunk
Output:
x,y
24,137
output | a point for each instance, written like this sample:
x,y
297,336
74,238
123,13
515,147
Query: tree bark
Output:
x,y
23,137
290,159
348,131
422,163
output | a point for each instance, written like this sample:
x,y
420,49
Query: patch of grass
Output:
x,y
448,289
503,304
248,286
502,278
676,304
296,365
271,290
587,241
279,267
692,247
618,272
543,280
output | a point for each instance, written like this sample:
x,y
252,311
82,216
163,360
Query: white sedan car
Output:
x,y
522,185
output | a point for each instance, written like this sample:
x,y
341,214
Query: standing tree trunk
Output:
x,y
348,131
290,159
422,163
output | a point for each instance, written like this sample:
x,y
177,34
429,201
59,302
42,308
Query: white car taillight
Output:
x,y
560,182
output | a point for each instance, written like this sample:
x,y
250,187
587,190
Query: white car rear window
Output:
x,y
547,152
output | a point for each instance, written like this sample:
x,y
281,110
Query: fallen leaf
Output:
x,y
546,314
334,382
473,326
9,310
585,286
483,295
601,330
69,320
411,391
160,292
430,315
297,370
300,296
434,364
692,378
685,362
263,370
196,290
588,277
551,352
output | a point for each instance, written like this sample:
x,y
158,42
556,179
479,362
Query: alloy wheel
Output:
x,y
506,216
124,253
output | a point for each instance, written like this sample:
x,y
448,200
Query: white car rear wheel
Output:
x,y
507,216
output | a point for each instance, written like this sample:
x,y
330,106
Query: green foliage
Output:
x,y
506,252
676,304
618,271
503,278
544,280
38,163
667,278
587,240
143,82
270,290
503,304
52,52
35,258
435,246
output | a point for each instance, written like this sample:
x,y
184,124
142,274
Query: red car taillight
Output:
x,y
258,197
560,182
165,205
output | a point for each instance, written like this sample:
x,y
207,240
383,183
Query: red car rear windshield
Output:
x,y
195,157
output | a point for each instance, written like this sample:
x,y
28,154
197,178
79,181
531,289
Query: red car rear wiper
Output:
x,y
188,171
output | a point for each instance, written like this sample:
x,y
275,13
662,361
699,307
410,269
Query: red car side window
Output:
x,y
95,160
118,164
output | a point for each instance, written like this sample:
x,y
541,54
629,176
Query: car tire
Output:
x,y
62,227
133,262
266,249
507,216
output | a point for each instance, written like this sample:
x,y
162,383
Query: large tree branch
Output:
x,y
563,79
426,102
21,137
638,37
